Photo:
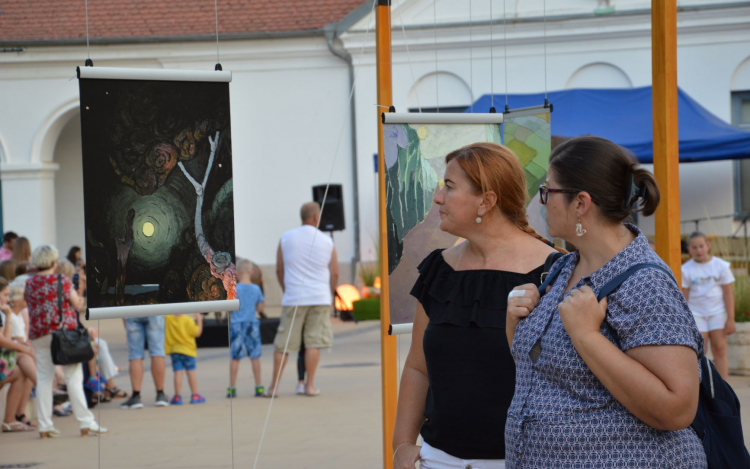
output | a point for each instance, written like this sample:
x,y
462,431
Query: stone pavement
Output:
x,y
341,428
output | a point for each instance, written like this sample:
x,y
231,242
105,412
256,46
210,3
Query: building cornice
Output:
x,y
573,28
27,171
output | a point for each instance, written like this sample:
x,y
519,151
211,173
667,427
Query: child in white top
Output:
x,y
20,314
707,285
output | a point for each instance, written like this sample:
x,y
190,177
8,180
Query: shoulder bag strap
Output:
x,y
615,283
549,276
60,298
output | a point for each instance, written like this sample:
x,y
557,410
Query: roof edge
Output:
x,y
209,37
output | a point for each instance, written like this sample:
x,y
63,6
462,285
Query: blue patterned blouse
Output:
x,y
561,415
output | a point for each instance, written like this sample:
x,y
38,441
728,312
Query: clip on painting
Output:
x,y
400,329
440,118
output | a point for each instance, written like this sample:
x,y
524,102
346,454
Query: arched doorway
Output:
x,y
68,193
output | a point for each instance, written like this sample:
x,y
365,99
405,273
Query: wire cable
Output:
x,y
309,256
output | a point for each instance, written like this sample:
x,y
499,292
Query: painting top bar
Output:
x,y
104,73
529,111
440,118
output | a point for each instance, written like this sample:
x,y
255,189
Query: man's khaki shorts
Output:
x,y
312,322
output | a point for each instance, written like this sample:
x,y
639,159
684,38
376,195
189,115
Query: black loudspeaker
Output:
x,y
333,213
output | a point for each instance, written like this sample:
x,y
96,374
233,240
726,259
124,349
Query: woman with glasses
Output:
x,y
602,384
459,377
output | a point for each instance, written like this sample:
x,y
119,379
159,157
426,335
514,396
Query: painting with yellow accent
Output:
x,y
158,192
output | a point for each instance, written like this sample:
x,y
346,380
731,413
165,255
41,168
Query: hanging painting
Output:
x,y
527,133
158,198
415,148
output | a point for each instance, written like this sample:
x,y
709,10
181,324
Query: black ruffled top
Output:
x,y
469,366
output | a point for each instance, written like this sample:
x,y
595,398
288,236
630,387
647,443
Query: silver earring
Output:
x,y
479,219
579,229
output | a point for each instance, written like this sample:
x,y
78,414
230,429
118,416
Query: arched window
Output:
x,y
599,75
442,91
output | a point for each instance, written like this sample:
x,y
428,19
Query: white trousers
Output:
x,y
433,458
106,364
45,376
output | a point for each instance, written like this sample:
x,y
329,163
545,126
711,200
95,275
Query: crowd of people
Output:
x,y
499,373
41,293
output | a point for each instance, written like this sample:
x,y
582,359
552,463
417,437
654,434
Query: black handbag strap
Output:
x,y
59,298
615,283
549,276
606,290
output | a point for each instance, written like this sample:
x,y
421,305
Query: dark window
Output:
x,y
741,118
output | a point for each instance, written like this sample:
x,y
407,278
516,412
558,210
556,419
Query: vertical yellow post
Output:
x,y
666,142
388,355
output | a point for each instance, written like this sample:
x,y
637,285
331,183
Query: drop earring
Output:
x,y
579,229
479,220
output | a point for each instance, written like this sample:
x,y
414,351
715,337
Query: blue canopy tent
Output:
x,y
624,116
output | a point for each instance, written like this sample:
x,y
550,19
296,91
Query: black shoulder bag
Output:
x,y
717,421
69,346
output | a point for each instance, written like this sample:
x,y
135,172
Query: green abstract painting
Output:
x,y
529,137
415,165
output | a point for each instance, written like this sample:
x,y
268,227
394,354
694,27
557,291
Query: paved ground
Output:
x,y
341,428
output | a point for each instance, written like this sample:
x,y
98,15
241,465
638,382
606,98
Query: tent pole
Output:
x,y
666,143
388,352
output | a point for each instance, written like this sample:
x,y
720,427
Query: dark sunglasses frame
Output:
x,y
544,192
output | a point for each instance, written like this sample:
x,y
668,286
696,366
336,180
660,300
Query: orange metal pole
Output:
x,y
666,140
388,352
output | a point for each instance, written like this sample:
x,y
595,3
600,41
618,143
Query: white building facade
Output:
x,y
292,121
579,49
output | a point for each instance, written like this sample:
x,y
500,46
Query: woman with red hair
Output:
x,y
459,376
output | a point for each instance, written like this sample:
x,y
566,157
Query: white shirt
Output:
x,y
303,259
705,281
19,327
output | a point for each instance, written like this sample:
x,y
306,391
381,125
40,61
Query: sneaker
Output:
x,y
176,400
300,389
197,399
161,399
259,391
133,403
231,392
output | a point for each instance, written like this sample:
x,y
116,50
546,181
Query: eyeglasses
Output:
x,y
544,192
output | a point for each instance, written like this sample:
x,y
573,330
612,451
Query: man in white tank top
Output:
x,y
307,270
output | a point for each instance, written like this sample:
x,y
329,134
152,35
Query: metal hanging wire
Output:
x,y
505,57
309,256
492,57
408,54
437,81
88,54
216,16
544,12
471,58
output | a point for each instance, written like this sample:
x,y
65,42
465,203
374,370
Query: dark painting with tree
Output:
x,y
157,164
